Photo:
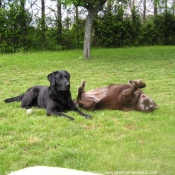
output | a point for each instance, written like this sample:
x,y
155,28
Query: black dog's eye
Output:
x,y
58,77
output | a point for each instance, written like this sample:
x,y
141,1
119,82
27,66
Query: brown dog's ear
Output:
x,y
51,78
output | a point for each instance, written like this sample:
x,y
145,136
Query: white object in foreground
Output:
x,y
45,170
29,111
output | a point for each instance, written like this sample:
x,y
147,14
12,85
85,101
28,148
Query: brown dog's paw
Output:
x,y
80,92
131,82
139,83
83,84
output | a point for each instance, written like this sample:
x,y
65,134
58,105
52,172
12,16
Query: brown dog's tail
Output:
x,y
81,90
18,98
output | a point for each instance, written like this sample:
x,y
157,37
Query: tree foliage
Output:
x,y
22,31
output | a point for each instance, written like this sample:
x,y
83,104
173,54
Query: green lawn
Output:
x,y
114,141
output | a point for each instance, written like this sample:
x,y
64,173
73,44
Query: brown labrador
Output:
x,y
125,97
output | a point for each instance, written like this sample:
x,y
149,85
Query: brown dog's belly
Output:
x,y
96,95
90,99
102,98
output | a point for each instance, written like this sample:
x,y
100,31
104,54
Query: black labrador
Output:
x,y
55,98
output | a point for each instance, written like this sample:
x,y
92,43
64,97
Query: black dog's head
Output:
x,y
60,80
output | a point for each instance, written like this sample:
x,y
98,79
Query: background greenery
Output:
x,y
23,30
114,140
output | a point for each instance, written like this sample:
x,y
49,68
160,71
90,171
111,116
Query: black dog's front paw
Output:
x,y
88,116
71,118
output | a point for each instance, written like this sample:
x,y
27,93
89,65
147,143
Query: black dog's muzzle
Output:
x,y
64,87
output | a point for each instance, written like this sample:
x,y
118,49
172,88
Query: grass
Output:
x,y
114,141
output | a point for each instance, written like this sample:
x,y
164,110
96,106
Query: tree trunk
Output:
x,y
144,11
1,23
155,8
166,6
173,7
59,25
43,23
93,7
87,36
23,23
109,6
132,4
77,25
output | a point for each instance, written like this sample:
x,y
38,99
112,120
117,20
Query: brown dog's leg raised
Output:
x,y
134,86
140,84
81,89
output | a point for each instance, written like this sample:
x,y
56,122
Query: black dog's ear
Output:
x,y
68,74
51,78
